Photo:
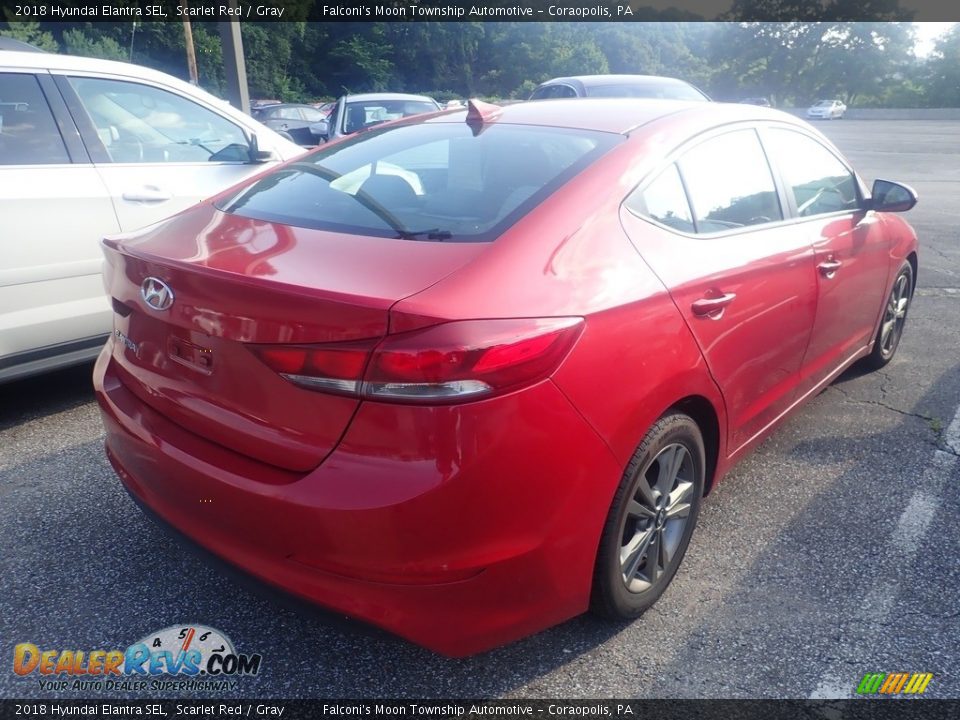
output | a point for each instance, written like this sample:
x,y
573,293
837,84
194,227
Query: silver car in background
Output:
x,y
618,86
353,113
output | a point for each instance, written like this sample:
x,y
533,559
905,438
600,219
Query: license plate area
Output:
x,y
196,357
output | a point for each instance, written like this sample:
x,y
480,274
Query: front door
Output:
x,y
158,152
852,253
741,278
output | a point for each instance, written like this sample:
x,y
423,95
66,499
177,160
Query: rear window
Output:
x,y
667,91
550,92
363,114
437,181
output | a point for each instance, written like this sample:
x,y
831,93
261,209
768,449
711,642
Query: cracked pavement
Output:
x,y
830,552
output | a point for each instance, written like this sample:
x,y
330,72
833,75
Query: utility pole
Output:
x,y
188,38
133,34
234,68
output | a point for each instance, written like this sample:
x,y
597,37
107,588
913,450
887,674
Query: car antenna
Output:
x,y
479,113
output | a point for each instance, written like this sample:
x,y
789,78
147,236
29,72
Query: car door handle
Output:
x,y
147,194
828,268
712,307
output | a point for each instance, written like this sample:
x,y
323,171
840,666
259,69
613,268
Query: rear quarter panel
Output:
x,y
571,257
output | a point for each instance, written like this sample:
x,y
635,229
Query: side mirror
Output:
x,y
256,154
888,196
320,129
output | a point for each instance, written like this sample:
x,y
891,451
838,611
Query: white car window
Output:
x,y
28,132
140,123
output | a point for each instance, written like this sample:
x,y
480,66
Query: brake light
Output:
x,y
470,358
335,368
450,362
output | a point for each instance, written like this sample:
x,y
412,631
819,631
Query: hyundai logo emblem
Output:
x,y
156,293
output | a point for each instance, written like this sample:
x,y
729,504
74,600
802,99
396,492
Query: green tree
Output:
x,y
29,32
77,42
944,71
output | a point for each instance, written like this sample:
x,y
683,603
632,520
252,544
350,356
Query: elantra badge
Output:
x,y
156,293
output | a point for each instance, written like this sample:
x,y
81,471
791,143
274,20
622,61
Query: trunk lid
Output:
x,y
237,281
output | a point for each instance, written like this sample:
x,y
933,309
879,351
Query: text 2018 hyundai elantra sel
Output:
x,y
469,374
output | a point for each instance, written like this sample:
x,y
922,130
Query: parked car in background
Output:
x,y
88,148
291,118
759,101
9,43
357,112
326,107
621,86
470,375
826,110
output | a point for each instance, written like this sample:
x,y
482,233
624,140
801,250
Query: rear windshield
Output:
x,y
435,181
668,91
363,114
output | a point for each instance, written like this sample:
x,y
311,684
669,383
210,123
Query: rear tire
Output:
x,y
894,318
651,520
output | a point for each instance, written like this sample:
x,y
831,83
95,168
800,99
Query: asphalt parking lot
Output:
x,y
829,553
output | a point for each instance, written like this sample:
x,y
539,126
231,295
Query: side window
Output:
x,y
28,132
140,123
820,182
665,201
729,183
311,115
288,113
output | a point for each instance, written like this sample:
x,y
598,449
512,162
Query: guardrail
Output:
x,y
891,113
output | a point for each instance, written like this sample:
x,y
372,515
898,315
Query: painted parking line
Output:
x,y
904,542
951,437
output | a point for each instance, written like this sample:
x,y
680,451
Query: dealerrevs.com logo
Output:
x,y
197,657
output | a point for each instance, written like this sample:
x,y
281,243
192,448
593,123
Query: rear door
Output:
x,y
740,276
54,210
852,252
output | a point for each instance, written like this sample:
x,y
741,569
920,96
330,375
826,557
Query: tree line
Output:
x,y
866,64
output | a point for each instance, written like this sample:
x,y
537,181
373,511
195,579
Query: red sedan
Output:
x,y
469,374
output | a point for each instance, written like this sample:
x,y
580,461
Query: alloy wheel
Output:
x,y
657,513
895,315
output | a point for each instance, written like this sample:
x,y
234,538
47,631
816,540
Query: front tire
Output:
x,y
894,318
651,520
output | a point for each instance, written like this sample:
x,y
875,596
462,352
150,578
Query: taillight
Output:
x,y
451,362
469,358
335,368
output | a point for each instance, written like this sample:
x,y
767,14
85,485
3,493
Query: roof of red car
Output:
x,y
617,115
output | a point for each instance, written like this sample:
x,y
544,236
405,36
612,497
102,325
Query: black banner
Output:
x,y
918,708
476,10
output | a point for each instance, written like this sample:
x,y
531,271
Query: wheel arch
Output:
x,y
915,265
705,416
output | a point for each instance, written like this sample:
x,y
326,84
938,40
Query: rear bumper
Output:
x,y
458,528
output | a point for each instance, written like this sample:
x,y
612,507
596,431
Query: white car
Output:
x,y
88,148
826,110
